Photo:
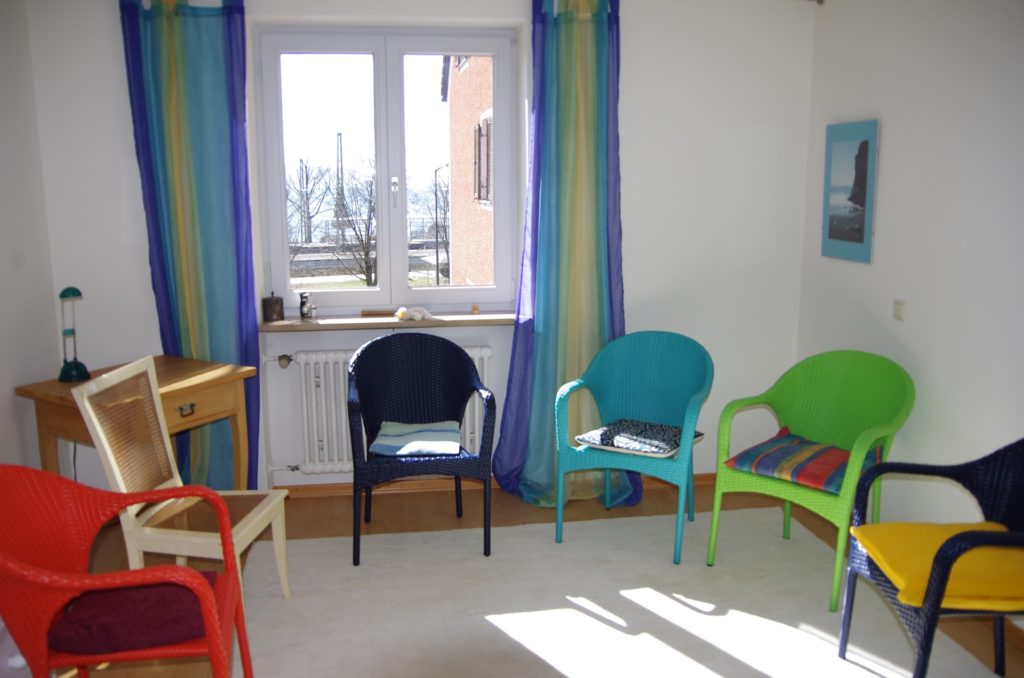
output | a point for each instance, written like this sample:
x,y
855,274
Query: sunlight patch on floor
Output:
x,y
753,640
577,644
594,608
854,653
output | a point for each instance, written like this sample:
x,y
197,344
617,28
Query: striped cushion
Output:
x,y
798,460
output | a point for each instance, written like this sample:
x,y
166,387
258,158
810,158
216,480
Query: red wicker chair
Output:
x,y
60,615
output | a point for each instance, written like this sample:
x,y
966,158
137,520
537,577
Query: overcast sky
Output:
x,y
323,94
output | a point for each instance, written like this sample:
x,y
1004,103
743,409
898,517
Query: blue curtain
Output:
x,y
570,295
186,82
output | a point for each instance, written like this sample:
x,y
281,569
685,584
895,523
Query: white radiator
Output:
x,y
324,388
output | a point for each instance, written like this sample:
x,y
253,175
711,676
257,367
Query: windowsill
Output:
x,y
328,323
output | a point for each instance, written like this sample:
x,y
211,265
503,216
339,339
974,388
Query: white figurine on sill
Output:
x,y
414,313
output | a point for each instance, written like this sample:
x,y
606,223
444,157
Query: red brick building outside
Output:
x,y
471,236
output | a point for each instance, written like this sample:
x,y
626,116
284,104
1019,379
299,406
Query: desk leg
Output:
x,y
240,439
47,444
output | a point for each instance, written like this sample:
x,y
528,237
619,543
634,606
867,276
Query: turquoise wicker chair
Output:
x,y
839,410
653,377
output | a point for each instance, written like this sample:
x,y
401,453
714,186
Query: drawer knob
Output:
x,y
187,409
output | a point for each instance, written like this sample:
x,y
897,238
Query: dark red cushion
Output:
x,y
99,622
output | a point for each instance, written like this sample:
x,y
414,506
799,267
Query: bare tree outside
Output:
x,y
307,190
442,233
432,204
353,230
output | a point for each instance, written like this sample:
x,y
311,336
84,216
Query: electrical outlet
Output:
x,y
899,309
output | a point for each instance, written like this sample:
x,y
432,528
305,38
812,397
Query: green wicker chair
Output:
x,y
837,410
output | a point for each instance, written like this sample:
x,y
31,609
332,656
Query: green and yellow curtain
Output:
x,y
570,297
186,81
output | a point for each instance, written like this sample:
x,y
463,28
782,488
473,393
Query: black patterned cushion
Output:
x,y
636,437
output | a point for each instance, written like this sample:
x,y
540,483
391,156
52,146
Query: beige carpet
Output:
x,y
606,602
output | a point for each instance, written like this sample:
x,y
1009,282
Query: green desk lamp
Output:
x,y
72,370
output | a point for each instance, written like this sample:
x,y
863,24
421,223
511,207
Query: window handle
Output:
x,y
394,192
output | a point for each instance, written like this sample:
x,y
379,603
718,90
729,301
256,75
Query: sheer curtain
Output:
x,y
186,82
570,295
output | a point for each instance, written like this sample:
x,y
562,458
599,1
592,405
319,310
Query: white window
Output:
x,y
388,166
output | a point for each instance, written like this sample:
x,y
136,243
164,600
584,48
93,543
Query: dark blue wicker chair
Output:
x,y
997,482
415,378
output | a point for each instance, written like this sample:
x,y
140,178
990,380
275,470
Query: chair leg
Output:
x,y
487,516
181,560
842,539
690,496
841,542
680,512
924,652
355,524
277,529
238,569
607,490
999,632
136,556
559,501
243,642
876,500
787,518
369,499
844,627
716,509
458,496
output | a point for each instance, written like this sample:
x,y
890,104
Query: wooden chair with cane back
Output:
x,y
124,415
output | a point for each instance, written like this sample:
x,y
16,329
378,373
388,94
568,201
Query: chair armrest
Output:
x,y
859,452
951,550
867,479
355,425
487,435
725,421
77,583
562,412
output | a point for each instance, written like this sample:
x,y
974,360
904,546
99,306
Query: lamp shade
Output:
x,y
72,369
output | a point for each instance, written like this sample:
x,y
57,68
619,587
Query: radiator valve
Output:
x,y
284,360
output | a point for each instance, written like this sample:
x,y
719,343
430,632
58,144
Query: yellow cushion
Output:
x,y
984,578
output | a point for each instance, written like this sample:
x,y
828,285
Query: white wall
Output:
x,y
28,330
945,79
91,203
28,326
93,192
713,124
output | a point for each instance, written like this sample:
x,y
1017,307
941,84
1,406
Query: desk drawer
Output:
x,y
199,406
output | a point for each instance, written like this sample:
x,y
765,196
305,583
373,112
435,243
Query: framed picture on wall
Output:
x,y
851,151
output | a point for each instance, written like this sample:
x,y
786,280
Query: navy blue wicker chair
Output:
x,y
912,564
413,378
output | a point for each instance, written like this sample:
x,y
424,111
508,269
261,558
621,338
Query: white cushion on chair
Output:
x,y
396,439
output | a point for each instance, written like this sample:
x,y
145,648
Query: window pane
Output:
x,y
327,119
448,100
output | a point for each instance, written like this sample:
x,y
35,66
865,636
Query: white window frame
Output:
x,y
388,46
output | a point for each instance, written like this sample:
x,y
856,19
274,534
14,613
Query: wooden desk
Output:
x,y
193,392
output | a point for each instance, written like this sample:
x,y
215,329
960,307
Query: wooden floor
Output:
x,y
310,517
